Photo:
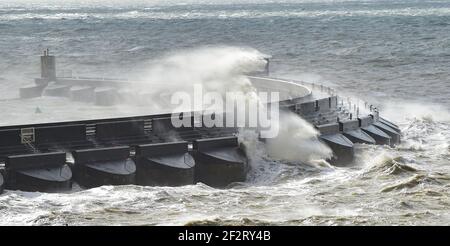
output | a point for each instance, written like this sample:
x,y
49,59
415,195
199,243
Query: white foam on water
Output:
x,y
406,110
199,14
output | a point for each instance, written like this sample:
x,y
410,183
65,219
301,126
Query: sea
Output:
x,y
393,54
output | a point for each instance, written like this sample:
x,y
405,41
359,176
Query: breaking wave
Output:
x,y
392,166
418,179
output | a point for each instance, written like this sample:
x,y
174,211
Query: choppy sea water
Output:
x,y
392,53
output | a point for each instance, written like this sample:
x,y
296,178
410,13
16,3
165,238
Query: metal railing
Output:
x,y
346,104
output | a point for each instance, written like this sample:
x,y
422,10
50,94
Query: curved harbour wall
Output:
x,y
111,151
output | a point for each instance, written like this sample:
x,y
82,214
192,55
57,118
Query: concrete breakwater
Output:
x,y
149,150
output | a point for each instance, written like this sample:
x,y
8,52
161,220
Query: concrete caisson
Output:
x,y
1,183
380,137
341,146
104,166
351,130
219,161
46,172
167,164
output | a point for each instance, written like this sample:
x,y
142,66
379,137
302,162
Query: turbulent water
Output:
x,y
395,54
